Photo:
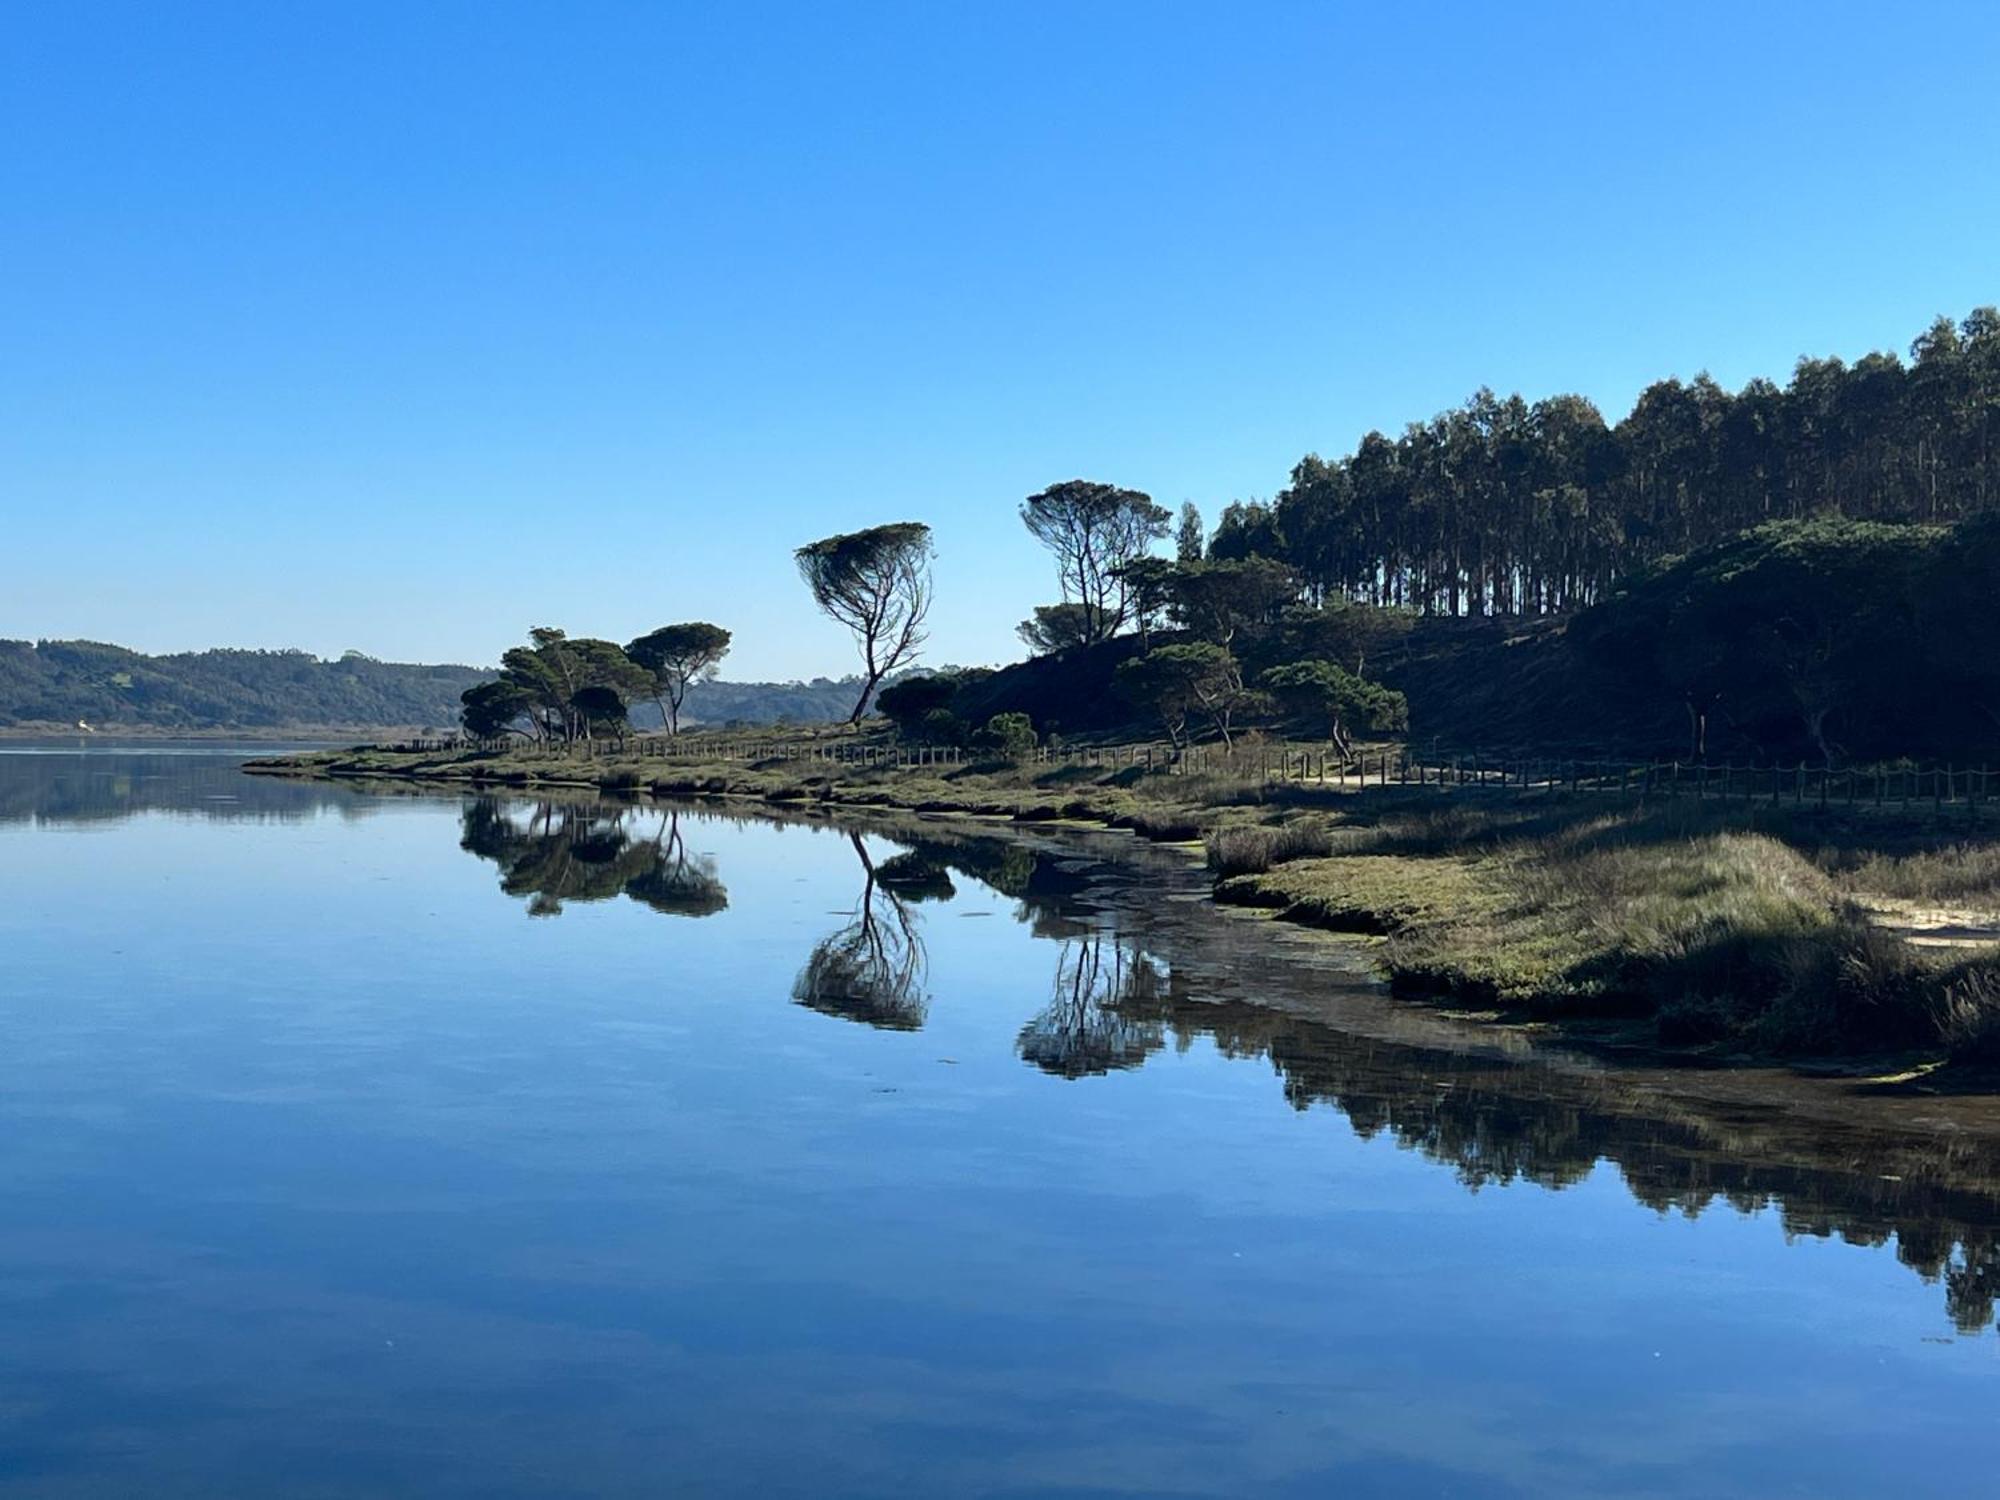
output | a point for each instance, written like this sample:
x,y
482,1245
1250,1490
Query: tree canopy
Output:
x,y
1055,627
676,657
563,688
1175,682
1338,696
1092,529
877,583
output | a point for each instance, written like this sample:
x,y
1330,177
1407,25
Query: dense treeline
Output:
x,y
1506,506
64,682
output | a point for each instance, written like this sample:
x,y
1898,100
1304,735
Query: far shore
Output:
x,y
285,734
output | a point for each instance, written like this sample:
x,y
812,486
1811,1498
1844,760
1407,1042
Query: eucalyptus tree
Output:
x,y
1093,529
676,657
1190,538
1247,529
877,583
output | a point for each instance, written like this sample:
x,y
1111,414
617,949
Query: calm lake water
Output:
x,y
359,1143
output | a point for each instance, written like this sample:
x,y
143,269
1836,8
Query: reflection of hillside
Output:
x,y
106,785
553,852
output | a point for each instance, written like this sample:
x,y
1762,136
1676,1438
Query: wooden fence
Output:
x,y
1797,785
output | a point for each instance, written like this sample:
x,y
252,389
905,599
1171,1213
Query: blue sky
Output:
x,y
405,327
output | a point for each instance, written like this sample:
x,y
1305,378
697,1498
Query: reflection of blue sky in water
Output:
x,y
322,1164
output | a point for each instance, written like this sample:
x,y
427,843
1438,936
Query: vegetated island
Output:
x,y
1734,660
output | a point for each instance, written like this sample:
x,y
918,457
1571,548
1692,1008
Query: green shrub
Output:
x,y
941,726
1011,734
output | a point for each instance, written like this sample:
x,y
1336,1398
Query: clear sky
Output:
x,y
404,327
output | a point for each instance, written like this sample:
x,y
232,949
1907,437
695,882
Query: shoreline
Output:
x,y
1408,907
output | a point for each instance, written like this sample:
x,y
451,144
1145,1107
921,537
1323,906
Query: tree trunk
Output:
x,y
861,703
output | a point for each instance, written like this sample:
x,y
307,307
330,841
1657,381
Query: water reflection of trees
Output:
x,y
1101,1011
1120,995
551,852
1494,1121
1117,998
874,969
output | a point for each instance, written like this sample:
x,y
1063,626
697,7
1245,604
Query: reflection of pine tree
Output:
x,y
874,969
678,884
588,853
1100,1014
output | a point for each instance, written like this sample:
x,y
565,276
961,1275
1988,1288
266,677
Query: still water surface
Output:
x,y
357,1143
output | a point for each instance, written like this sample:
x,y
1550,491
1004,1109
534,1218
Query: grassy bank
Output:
x,y
1745,930
1767,935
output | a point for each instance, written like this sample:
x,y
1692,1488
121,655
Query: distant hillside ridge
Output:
x,y
823,700
109,687
62,683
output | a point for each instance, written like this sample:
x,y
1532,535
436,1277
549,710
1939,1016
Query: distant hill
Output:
x,y
814,702
110,687
58,683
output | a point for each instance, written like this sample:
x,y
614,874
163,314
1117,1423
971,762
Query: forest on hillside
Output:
x,y
1506,506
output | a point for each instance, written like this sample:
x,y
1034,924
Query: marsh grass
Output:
x,y
1966,1012
1722,935
1959,873
1161,825
1250,849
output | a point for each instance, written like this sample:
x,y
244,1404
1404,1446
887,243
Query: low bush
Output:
x,y
1161,825
1011,735
1253,850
